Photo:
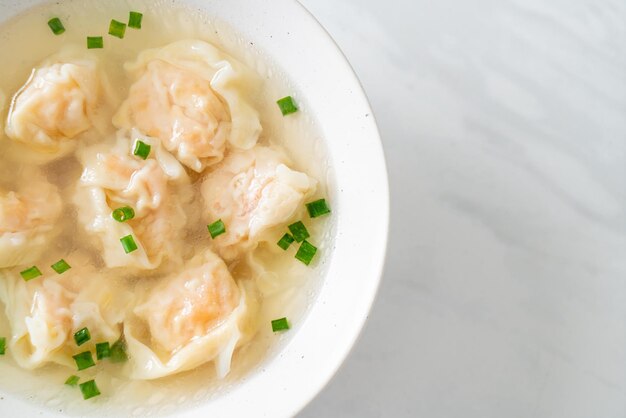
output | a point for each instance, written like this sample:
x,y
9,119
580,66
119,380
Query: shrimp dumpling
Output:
x,y
57,104
251,192
27,221
154,189
193,98
44,314
194,317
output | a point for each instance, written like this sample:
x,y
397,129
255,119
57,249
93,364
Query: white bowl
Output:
x,y
295,41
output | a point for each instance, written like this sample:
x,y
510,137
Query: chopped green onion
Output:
x,y
134,20
117,28
56,26
142,150
89,389
280,324
287,105
118,351
30,273
3,345
72,380
84,360
123,214
128,242
299,231
317,208
61,266
95,42
285,241
306,252
103,350
82,336
216,228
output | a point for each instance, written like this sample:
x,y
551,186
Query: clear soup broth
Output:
x,y
88,164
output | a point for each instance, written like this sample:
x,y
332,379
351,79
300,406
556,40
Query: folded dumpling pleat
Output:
x,y
44,313
155,188
195,99
57,104
195,317
28,218
251,192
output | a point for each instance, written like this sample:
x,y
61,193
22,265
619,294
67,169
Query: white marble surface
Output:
x,y
504,124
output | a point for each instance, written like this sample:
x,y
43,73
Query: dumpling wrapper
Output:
x,y
28,217
195,99
45,313
3,99
195,317
252,192
59,102
112,178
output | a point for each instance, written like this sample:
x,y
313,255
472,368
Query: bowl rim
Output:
x,y
386,220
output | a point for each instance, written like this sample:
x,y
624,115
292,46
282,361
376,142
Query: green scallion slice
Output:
x,y
123,214
118,351
134,20
61,266
72,380
280,324
95,42
306,252
103,350
3,345
299,231
287,105
89,389
30,273
84,360
142,150
317,208
285,241
128,242
56,26
82,336
216,228
117,28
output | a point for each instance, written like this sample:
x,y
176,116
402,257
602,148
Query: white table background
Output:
x,y
504,125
